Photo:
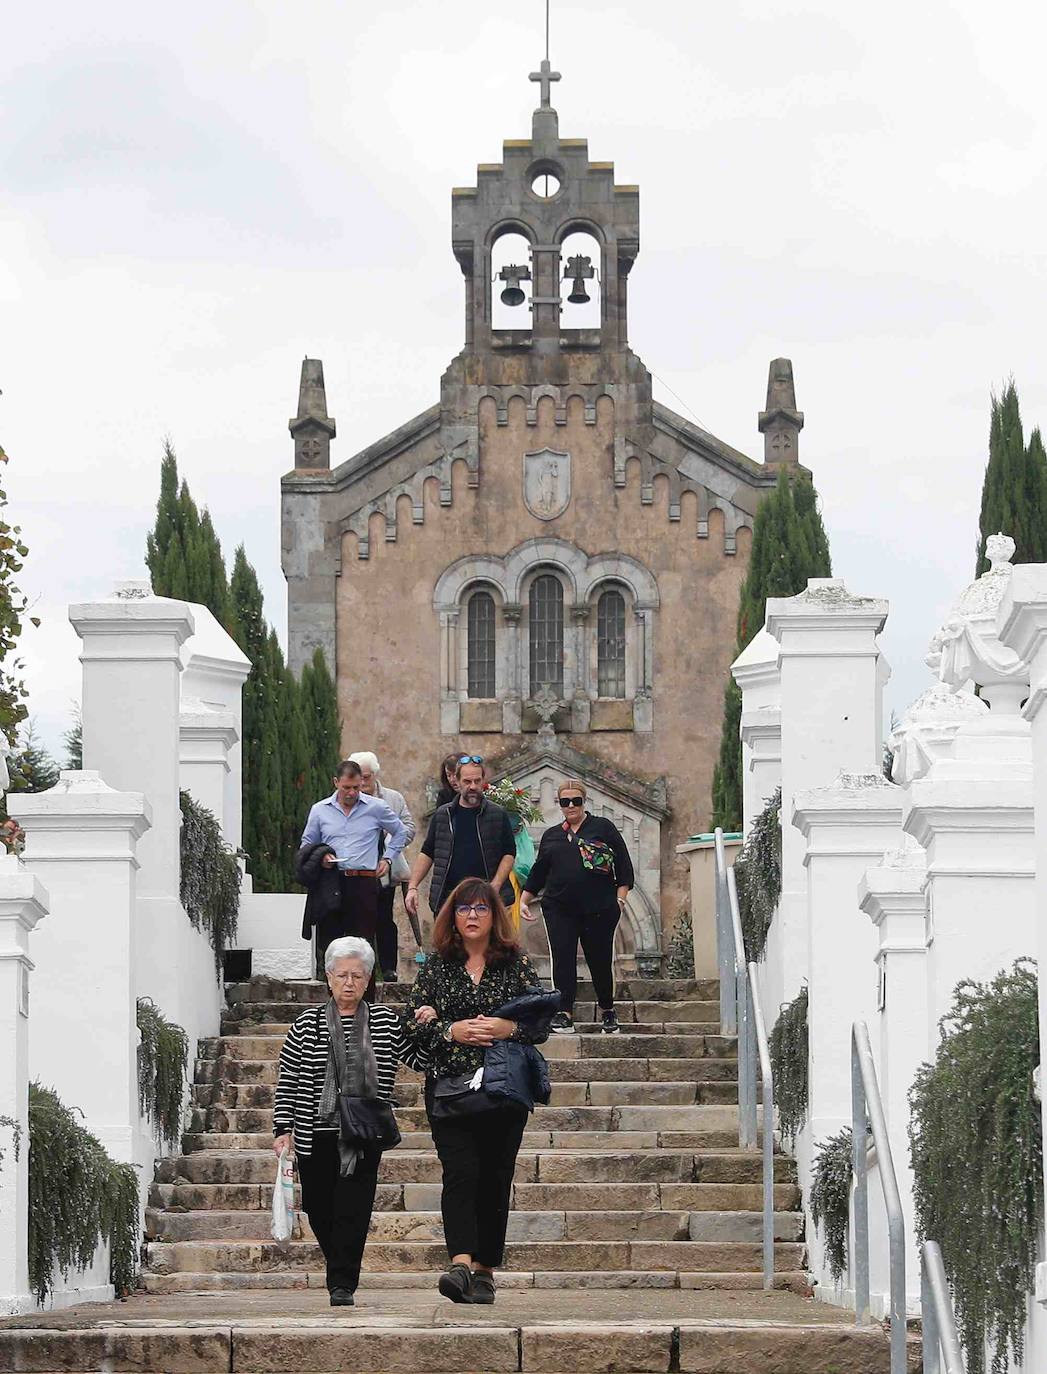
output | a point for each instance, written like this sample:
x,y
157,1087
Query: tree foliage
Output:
x,y
831,1196
13,606
73,738
163,1061
1014,489
210,877
758,877
977,1148
789,546
290,728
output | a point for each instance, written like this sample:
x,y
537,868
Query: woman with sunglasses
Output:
x,y
475,967
585,872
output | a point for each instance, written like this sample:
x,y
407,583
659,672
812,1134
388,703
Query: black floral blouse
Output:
x,y
444,984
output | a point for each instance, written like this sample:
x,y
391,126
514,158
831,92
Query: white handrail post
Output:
x,y
860,1240
724,942
746,1077
934,1288
767,1078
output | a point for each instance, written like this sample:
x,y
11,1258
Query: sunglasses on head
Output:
x,y
471,758
571,801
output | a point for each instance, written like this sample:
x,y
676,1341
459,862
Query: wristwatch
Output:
x,y
447,1034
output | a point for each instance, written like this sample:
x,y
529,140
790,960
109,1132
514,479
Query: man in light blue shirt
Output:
x,y
351,824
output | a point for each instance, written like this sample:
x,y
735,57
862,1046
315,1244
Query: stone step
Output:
x,y
228,1070
662,1280
628,1044
680,1166
631,988
609,1093
567,1197
240,1017
222,1256
215,1141
649,1117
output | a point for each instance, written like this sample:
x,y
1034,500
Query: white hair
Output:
x,y
349,947
366,759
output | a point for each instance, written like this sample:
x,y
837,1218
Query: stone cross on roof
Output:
x,y
546,76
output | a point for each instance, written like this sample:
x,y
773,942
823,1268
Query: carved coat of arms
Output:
x,y
547,483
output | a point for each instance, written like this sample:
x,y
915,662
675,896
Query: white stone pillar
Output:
x,y
831,684
23,901
755,670
846,828
1022,625
81,841
215,672
206,738
132,664
892,895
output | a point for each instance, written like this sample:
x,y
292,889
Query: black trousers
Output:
x,y
478,1158
339,1209
357,915
595,931
387,935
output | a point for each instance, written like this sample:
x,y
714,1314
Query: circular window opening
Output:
x,y
545,185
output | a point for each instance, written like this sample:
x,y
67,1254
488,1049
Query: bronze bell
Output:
x,y
579,295
513,275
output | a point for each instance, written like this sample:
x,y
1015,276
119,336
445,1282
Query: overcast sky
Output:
x,y
196,196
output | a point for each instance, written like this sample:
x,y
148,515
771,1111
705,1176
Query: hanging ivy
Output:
x,y
16,1135
831,1197
210,881
758,876
679,958
163,1061
78,1197
788,1047
976,1144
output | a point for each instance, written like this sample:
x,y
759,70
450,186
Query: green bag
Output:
x,y
525,854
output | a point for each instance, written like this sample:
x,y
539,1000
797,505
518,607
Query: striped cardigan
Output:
x,y
303,1067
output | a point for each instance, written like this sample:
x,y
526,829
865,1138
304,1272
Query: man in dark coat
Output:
x,y
469,837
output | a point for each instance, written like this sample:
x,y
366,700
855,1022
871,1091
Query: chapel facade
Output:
x,y
544,566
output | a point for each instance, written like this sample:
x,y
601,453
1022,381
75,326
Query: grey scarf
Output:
x,y
354,1074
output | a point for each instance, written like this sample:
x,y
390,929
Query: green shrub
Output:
x,y
831,1197
78,1197
163,1061
210,878
758,877
976,1143
788,1046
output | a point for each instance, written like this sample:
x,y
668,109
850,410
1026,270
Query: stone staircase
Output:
x,y
631,1177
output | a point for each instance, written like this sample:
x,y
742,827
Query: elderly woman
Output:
x,y
475,967
585,871
338,1177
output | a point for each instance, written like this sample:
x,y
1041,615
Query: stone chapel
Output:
x,y
544,566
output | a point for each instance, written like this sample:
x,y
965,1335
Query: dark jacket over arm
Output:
x,y
322,885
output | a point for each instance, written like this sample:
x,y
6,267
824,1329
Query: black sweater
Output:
x,y
559,871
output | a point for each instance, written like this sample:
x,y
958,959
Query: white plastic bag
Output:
x,y
283,1198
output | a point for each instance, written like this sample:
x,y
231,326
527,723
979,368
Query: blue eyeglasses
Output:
x,y
471,758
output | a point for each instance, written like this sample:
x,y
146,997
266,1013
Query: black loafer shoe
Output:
x,y
483,1289
342,1297
457,1283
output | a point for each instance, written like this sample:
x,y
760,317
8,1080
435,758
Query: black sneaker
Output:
x,y
562,1023
483,1289
457,1283
389,975
342,1297
610,1024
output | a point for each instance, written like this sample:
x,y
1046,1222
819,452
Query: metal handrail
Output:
x,y
866,1112
740,982
939,1321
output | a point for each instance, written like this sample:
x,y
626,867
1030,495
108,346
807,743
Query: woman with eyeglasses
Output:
x,y
475,967
338,1176
585,873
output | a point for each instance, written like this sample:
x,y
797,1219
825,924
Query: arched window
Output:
x,y
580,263
610,644
480,641
545,620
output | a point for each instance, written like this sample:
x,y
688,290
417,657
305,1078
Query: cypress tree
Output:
x,y
1014,489
322,726
32,768
182,551
789,545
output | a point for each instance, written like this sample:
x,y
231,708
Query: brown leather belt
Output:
x,y
358,872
